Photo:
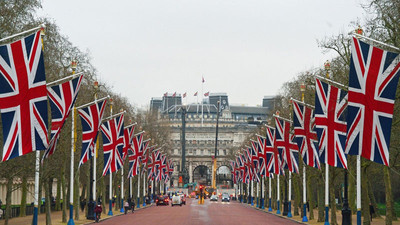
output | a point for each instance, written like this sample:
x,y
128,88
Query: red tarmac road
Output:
x,y
213,213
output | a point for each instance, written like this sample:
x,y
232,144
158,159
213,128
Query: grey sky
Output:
x,y
246,48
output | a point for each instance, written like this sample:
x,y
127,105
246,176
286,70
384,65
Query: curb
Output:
x,y
263,210
137,209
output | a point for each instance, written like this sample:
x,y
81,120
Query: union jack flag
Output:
x,y
151,167
305,136
162,168
133,163
23,100
91,117
240,165
113,143
144,149
253,150
287,148
264,155
373,79
128,136
249,167
330,125
136,145
274,164
62,99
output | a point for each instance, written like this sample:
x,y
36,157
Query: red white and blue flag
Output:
x,y
153,160
23,97
133,163
264,156
128,136
286,147
373,79
91,117
305,136
113,144
330,124
241,170
62,99
274,165
233,172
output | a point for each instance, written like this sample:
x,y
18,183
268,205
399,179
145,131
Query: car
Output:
x,y
214,198
162,200
176,200
225,198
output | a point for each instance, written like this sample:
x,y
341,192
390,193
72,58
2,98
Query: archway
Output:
x,y
202,175
224,177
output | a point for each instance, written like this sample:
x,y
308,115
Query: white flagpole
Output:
x,y
326,194
23,33
241,192
36,198
122,189
305,219
130,187
263,192
138,190
144,187
252,193
71,195
358,190
248,193
278,196
94,171
110,213
269,195
290,195
257,194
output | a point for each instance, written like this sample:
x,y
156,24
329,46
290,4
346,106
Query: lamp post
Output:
x,y
305,219
110,213
327,66
90,213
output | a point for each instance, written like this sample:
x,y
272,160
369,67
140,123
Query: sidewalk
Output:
x,y
56,218
375,221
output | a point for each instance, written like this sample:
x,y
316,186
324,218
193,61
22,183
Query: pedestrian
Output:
x,y
98,209
371,210
133,205
126,206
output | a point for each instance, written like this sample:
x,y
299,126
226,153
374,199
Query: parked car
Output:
x,y
225,198
214,198
162,200
176,200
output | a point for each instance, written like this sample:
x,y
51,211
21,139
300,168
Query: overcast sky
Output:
x,y
245,48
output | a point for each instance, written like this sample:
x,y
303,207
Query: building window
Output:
x,y
224,152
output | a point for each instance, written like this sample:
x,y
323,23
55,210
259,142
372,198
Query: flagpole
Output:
x,y
130,188
23,32
144,186
326,193
122,188
305,219
290,195
36,198
263,192
96,146
358,190
241,192
202,96
138,189
278,195
71,195
110,213
257,195
269,195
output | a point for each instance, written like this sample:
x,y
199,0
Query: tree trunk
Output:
x,y
310,196
23,197
8,200
103,196
373,200
58,197
388,191
352,184
332,197
48,200
364,195
297,196
64,196
321,197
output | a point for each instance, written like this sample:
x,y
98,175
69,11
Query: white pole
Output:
x,y
290,195
71,195
257,194
326,193
94,172
202,97
122,189
358,189
252,193
278,195
269,194
144,188
36,198
138,190
305,219
130,187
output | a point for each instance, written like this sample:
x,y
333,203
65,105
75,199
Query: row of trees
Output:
x,y
18,16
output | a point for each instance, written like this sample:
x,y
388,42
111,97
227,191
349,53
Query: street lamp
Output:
x,y
327,66
359,31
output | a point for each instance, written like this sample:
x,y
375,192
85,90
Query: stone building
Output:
x,y
235,124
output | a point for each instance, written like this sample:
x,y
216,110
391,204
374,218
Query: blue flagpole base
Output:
x,y
138,203
358,217
326,215
144,201
279,210
122,206
71,215
290,210
252,201
262,203
269,205
305,219
35,216
110,213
